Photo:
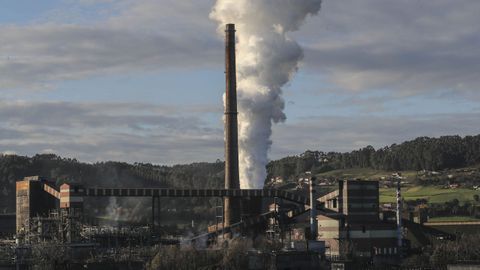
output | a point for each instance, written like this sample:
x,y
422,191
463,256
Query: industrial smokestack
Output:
x,y
231,205
268,58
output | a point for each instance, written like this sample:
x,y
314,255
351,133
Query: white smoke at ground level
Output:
x,y
267,58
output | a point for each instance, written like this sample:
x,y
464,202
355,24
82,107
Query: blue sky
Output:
x,y
142,80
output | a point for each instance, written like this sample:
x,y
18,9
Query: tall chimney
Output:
x,y
231,205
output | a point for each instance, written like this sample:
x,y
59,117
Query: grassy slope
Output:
x,y
432,193
452,219
364,174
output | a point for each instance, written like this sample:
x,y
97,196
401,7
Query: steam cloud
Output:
x,y
267,58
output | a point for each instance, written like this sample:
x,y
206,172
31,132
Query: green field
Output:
x,y
365,174
453,219
432,193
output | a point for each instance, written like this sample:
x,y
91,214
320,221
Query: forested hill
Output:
x,y
423,153
103,174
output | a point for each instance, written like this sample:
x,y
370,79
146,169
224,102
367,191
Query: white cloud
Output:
x,y
109,131
407,47
143,36
8,153
341,133
48,151
402,47
91,132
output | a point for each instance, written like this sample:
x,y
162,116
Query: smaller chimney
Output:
x,y
313,210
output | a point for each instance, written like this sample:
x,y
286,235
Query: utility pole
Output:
x,y
399,217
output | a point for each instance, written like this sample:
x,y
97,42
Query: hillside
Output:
x,y
431,154
446,154
115,174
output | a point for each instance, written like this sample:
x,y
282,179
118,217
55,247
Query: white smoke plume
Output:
x,y
267,58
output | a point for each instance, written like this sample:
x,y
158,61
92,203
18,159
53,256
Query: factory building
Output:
x,y
350,223
34,197
44,212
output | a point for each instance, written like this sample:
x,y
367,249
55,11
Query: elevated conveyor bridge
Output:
x,y
172,192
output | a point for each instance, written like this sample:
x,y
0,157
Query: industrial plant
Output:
x,y
341,229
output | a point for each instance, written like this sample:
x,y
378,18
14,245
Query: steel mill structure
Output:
x,y
36,196
341,223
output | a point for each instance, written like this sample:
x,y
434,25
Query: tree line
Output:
x,y
423,153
